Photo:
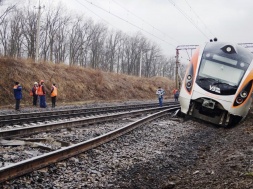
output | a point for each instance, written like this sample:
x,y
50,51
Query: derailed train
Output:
x,y
218,84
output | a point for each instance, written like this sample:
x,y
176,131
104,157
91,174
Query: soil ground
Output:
x,y
209,157
224,158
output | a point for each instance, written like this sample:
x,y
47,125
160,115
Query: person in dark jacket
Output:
x,y
17,89
160,92
176,94
34,93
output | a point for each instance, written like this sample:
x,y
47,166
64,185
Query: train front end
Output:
x,y
218,84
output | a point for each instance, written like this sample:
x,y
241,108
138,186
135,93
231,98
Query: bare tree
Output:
x,y
16,35
61,44
4,30
80,42
98,37
85,41
53,30
4,37
112,41
168,67
131,54
6,11
29,24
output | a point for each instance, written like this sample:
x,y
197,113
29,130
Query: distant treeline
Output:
x,y
76,40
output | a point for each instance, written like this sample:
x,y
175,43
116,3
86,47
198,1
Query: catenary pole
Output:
x,y
140,64
181,47
38,34
177,62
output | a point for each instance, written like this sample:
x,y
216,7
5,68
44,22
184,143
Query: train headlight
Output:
x,y
243,94
189,78
188,84
228,49
239,100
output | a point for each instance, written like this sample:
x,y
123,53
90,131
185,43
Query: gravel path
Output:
x,y
167,153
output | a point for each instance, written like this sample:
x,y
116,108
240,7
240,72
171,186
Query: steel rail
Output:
x,y
26,166
49,115
7,134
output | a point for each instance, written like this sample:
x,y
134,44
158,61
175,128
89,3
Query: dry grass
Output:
x,y
75,85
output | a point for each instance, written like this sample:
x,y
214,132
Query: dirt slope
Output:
x,y
75,84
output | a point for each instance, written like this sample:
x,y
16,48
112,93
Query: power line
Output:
x,y
94,13
199,18
144,21
129,23
187,17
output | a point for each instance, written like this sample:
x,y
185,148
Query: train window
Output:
x,y
221,72
224,59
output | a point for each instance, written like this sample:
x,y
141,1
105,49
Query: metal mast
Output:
x,y
38,33
181,47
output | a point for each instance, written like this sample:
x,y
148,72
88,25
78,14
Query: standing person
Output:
x,y
41,91
176,94
17,89
53,95
34,93
160,92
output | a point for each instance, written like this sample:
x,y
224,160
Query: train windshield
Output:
x,y
220,72
222,67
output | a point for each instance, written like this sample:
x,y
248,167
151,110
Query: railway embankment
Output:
x,y
76,85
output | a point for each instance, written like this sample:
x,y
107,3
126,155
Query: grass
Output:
x,y
75,85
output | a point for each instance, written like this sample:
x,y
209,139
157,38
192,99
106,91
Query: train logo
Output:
x,y
217,86
215,89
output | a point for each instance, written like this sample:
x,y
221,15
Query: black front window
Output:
x,y
221,73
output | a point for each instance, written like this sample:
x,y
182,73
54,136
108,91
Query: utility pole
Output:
x,y
177,62
140,64
181,47
38,33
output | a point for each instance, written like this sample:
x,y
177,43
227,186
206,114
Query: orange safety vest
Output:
x,y
40,91
36,89
54,92
175,91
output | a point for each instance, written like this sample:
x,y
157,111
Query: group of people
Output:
x,y
38,92
160,93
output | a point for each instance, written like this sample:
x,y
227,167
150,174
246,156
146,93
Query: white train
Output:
x,y
218,84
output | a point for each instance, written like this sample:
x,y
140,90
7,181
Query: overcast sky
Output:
x,y
171,23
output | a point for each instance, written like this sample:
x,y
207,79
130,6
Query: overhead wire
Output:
x,y
126,21
199,18
187,17
144,21
94,13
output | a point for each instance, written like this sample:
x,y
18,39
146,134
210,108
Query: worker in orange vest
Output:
x,y
41,91
176,94
53,95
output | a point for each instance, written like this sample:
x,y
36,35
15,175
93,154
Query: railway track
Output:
x,y
21,118
25,166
